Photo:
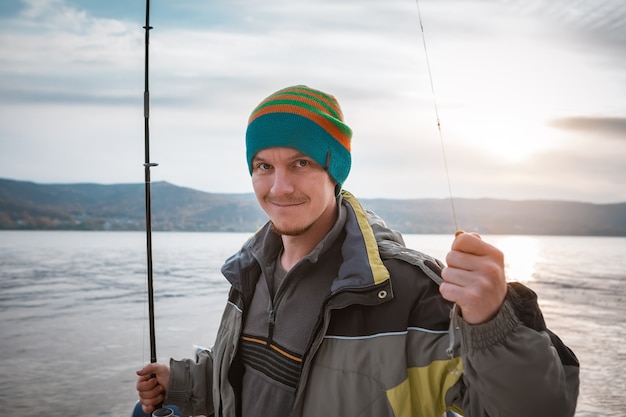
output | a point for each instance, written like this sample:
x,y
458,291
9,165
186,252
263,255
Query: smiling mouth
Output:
x,y
285,203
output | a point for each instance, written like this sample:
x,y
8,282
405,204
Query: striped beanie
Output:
x,y
304,119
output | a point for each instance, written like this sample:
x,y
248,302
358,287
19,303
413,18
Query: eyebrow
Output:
x,y
298,155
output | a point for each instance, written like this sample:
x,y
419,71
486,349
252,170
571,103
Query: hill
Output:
x,y
32,206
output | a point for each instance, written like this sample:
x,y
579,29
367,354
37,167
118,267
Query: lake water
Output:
x,y
74,327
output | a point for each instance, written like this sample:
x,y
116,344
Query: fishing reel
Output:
x,y
164,412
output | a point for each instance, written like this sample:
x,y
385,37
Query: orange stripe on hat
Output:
x,y
339,135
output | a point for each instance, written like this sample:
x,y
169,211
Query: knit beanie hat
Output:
x,y
304,119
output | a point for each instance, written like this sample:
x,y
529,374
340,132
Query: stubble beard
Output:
x,y
294,231
290,232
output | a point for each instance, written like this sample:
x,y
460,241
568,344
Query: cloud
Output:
x,y
601,20
610,127
51,51
500,69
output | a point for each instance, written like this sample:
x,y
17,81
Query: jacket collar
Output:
x,y
362,265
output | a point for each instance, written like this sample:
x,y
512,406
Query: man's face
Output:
x,y
295,191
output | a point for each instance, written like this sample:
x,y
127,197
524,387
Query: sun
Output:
x,y
514,141
513,136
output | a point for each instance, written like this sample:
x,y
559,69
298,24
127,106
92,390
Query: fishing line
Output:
x,y
432,89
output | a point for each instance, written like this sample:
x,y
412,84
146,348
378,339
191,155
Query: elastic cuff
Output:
x,y
178,391
480,336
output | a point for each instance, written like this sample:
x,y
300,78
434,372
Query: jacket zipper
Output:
x,y
275,300
270,331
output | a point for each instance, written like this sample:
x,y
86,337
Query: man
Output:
x,y
330,315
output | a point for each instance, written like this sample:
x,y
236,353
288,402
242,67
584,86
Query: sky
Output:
x,y
530,94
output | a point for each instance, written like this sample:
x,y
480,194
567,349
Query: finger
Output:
x,y
472,243
148,370
451,274
465,268
466,240
460,260
460,232
467,280
143,378
145,385
453,293
150,396
149,406
446,292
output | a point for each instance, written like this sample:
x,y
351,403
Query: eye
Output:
x,y
301,163
262,166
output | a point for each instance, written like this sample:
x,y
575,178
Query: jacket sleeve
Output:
x,y
514,366
190,385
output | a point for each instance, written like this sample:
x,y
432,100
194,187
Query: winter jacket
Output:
x,y
388,344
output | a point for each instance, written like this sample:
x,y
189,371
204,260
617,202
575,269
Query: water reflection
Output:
x,y
521,256
521,253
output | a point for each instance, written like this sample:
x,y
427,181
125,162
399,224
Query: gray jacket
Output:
x,y
387,345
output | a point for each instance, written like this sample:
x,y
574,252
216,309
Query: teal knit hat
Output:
x,y
304,119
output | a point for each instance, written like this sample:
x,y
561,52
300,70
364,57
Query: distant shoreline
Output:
x,y
94,207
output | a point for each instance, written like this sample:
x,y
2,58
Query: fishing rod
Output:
x,y
147,165
160,411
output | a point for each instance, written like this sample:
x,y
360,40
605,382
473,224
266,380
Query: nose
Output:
x,y
283,182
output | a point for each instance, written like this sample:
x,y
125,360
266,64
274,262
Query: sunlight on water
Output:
x,y
521,255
